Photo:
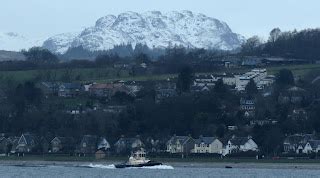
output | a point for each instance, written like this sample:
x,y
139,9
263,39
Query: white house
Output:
x,y
296,143
205,80
208,145
256,75
229,80
240,144
210,80
312,146
103,144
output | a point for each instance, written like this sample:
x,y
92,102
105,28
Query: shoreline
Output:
x,y
218,165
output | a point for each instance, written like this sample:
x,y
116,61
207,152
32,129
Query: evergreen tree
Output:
x,y
220,87
285,78
251,88
39,55
185,79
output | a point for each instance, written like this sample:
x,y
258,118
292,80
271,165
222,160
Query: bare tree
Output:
x,y
274,35
251,45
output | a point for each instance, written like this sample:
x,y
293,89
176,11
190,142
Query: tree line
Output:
x,y
302,44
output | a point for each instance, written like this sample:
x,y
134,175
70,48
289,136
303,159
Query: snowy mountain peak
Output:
x,y
154,29
106,21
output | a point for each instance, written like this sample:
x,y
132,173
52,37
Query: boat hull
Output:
x,y
125,165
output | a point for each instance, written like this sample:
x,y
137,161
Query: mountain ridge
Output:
x,y
154,29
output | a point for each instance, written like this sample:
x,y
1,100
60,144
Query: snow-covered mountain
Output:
x,y
60,43
11,41
155,29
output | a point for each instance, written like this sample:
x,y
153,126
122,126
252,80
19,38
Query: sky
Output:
x,y
38,18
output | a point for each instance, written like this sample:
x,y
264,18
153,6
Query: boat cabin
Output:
x,y
138,157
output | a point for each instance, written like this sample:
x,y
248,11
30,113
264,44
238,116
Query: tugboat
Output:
x,y
138,159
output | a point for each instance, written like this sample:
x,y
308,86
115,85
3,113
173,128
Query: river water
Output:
x,y
101,170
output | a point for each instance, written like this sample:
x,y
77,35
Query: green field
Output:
x,y
298,70
110,74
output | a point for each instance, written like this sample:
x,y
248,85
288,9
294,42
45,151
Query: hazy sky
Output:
x,y
247,17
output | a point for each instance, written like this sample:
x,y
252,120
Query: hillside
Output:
x,y
10,56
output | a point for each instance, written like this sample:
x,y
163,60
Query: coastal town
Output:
x,y
249,87
160,89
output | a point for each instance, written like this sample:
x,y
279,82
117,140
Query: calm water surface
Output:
x,y
88,171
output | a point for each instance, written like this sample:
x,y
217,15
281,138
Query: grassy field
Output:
x,y
298,70
110,74
82,75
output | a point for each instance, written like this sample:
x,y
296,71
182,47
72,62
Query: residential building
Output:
x,y
256,75
62,145
199,89
292,95
299,114
296,143
125,145
229,79
205,80
240,144
50,87
107,90
133,87
312,146
248,106
69,89
103,144
263,122
208,145
28,143
180,144
88,144
165,90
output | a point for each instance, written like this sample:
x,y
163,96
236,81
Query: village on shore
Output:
x,y
224,145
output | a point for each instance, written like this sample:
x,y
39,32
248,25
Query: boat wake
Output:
x,y
112,166
157,167
101,166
